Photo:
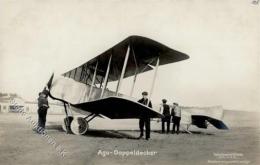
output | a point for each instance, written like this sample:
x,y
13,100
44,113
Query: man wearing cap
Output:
x,y
144,118
176,113
43,106
165,110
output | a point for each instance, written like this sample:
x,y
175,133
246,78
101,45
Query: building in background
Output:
x,y
7,105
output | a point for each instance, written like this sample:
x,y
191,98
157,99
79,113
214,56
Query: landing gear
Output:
x,y
66,124
79,126
76,125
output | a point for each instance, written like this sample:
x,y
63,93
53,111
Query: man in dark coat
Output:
x,y
165,109
144,118
43,106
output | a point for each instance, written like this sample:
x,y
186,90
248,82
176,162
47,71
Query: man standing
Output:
x,y
165,109
176,113
43,106
144,118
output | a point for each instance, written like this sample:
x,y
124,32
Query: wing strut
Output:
x,y
75,72
154,77
136,72
123,70
93,81
106,77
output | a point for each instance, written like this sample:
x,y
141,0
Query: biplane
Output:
x,y
84,88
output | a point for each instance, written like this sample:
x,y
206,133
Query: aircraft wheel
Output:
x,y
63,126
66,124
79,126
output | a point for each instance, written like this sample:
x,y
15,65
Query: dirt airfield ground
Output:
x,y
110,141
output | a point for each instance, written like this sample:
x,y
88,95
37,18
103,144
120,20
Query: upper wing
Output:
x,y
118,108
143,55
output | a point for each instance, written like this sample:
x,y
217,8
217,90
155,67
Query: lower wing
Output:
x,y
118,108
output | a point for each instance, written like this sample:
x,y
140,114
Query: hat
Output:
x,y
145,93
175,103
164,100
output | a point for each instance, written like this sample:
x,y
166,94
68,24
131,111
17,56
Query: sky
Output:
x,y
221,37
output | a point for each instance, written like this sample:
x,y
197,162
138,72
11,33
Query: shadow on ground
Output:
x,y
120,134
98,133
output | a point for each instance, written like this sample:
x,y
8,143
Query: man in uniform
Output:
x,y
144,118
176,113
43,106
165,109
